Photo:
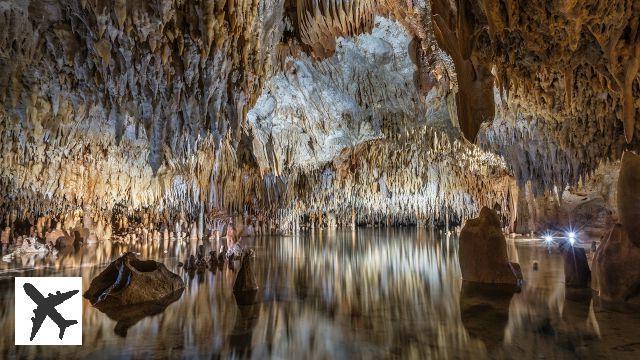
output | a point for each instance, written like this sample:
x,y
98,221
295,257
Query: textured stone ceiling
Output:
x,y
251,105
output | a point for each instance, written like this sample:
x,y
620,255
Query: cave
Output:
x,y
301,179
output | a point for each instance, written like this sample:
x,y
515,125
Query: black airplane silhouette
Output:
x,y
47,307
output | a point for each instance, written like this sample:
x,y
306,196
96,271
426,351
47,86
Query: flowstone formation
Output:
x,y
483,252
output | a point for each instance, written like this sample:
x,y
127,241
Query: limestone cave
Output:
x,y
321,179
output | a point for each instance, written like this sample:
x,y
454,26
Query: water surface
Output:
x,y
368,293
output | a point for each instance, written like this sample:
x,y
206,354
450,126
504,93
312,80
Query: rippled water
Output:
x,y
368,293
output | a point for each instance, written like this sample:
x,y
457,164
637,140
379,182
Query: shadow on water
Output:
x,y
368,293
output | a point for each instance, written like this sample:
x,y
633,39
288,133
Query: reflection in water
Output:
x,y
128,315
368,293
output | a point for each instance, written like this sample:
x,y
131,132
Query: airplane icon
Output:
x,y
47,307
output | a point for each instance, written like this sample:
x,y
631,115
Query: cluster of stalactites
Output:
x,y
551,154
178,69
591,62
419,177
322,21
70,163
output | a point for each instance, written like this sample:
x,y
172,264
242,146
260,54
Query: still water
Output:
x,y
367,293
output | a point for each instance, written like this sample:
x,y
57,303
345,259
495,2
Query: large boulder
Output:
x,y
483,252
629,195
130,281
576,266
616,268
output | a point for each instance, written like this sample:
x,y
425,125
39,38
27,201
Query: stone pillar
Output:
x,y
483,252
616,264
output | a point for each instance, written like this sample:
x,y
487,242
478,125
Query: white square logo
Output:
x,y
48,310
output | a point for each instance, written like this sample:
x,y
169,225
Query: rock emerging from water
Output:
x,y
616,268
629,195
576,266
245,287
616,264
130,281
483,252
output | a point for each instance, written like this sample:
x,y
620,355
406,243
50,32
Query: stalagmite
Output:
x,y
616,264
629,195
616,267
576,266
483,252
193,238
245,286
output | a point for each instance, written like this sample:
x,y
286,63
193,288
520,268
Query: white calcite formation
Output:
x,y
311,111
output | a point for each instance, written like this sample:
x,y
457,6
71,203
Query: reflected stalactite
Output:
x,y
398,288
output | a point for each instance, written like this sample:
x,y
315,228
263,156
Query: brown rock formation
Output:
x,y
129,281
616,268
629,195
455,31
483,251
576,266
321,22
616,265
245,287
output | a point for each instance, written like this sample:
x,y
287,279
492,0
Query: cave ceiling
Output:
x,y
411,108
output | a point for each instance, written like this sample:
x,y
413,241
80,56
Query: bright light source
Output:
x,y
548,238
572,235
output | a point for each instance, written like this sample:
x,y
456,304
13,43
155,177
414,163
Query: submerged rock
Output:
x,y
576,266
129,281
483,252
616,268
